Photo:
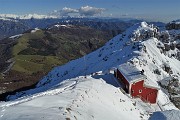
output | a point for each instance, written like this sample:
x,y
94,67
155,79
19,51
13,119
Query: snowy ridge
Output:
x,y
66,89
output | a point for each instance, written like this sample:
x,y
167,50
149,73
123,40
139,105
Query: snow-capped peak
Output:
x,y
144,24
27,16
140,28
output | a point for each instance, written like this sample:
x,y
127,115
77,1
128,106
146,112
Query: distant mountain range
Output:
x,y
27,16
13,26
173,25
16,24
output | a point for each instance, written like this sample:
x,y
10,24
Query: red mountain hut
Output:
x,y
136,83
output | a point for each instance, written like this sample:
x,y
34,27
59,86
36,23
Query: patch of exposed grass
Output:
x,y
29,63
26,66
23,41
43,50
33,63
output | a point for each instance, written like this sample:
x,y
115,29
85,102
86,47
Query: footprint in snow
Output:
x,y
2,112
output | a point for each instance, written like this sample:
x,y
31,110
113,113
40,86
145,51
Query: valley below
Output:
x,y
25,59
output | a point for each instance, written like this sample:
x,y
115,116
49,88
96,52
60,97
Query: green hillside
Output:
x,y
30,62
36,53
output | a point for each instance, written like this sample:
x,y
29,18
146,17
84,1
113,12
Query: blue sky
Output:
x,y
162,10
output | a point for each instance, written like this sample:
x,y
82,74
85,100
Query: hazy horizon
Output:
x,y
161,10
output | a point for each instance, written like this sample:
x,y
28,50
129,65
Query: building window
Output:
x,y
140,91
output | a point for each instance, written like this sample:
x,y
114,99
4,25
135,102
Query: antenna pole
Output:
x,y
85,65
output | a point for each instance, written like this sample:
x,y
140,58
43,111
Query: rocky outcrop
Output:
x,y
171,84
173,25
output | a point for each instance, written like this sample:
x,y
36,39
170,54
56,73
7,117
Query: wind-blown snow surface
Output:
x,y
79,98
51,97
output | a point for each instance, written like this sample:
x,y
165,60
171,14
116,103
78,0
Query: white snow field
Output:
x,y
85,88
79,98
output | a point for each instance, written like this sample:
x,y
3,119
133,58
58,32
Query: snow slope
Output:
x,y
79,98
92,97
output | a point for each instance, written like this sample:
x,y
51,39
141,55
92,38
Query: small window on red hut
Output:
x,y
140,91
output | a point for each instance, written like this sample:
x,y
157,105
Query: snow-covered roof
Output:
x,y
151,84
130,72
